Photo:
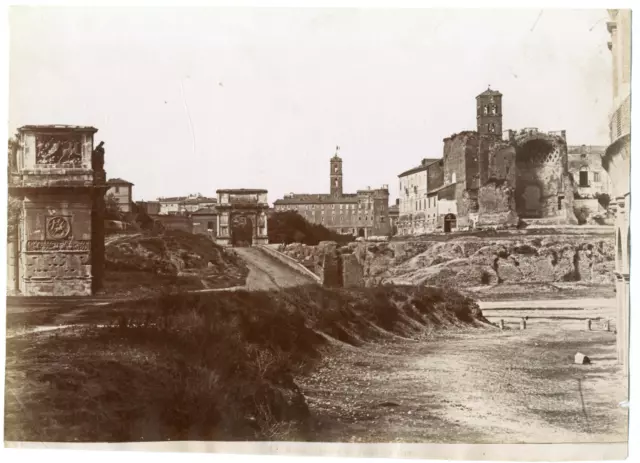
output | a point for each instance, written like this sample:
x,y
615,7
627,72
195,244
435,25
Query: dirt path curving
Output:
x,y
266,272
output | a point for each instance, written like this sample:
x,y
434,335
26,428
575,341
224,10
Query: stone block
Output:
x,y
352,271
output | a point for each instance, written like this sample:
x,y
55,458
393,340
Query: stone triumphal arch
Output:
x,y
56,222
242,217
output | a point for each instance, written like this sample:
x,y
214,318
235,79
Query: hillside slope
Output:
x,y
147,262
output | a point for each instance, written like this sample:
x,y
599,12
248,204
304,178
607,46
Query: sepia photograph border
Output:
x,y
16,451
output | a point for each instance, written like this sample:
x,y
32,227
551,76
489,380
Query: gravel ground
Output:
x,y
472,386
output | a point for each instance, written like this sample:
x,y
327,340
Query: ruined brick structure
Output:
x,y
489,178
242,217
502,177
57,184
364,213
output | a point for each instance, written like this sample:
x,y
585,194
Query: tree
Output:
x,y
290,227
604,199
111,207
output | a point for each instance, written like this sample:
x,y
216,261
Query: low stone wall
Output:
x,y
352,271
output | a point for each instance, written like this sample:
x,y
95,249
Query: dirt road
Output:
x,y
266,273
475,386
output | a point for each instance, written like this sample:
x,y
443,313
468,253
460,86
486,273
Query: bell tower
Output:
x,y
489,112
335,176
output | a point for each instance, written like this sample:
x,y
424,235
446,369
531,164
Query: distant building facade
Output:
x,y
617,162
364,213
205,221
585,166
185,204
417,209
122,192
394,213
149,207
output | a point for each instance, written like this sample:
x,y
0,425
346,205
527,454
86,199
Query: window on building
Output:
x,y
485,110
596,176
117,189
210,225
584,178
559,203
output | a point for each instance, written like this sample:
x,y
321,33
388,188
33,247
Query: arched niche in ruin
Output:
x,y
541,164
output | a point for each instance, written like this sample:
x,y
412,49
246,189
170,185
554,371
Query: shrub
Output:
x,y
582,214
290,227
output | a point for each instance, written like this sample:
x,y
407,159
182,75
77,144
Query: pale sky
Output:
x,y
190,100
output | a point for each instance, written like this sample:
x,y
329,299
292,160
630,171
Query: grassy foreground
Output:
x,y
201,367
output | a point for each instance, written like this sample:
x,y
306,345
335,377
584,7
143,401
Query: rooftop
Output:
x,y
206,211
242,191
317,199
489,92
57,128
586,149
118,181
423,166
190,199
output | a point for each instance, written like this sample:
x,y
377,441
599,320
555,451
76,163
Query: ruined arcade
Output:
x,y
56,191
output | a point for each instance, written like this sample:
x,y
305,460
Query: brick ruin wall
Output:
x,y
544,188
500,182
485,167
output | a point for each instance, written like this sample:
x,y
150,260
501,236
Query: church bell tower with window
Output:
x,y
335,176
489,112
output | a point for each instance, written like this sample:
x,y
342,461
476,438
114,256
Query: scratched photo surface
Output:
x,y
318,225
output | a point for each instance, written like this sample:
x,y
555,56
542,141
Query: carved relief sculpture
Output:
x,y
58,245
65,150
58,227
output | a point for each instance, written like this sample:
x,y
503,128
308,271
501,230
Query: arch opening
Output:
x,y
450,222
241,230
